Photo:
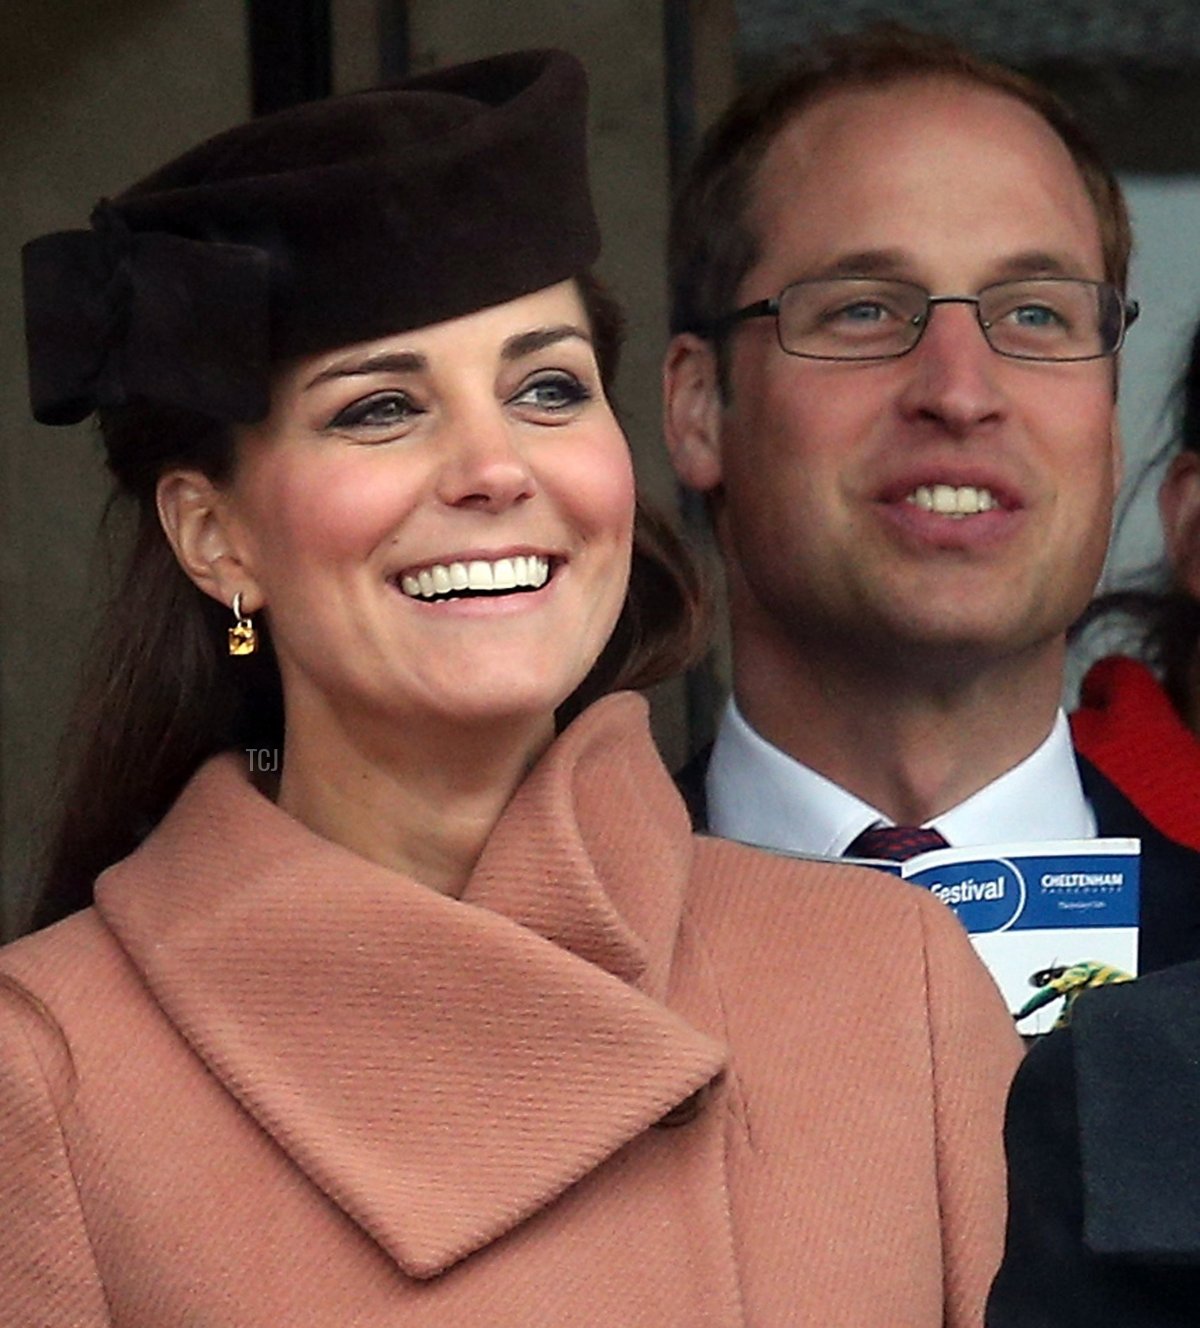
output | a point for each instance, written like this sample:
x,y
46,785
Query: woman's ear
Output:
x,y
692,411
1179,506
202,532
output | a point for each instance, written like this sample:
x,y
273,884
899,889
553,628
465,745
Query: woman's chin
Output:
x,y
500,712
502,692
484,708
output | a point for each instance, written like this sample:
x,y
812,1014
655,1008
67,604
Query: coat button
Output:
x,y
683,1113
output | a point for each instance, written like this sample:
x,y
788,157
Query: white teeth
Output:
x,y
952,501
479,576
529,570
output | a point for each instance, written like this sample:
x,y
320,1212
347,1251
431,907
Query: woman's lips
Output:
x,y
515,572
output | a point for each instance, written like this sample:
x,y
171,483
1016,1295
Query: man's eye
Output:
x,y
861,316
553,392
862,311
380,410
1038,315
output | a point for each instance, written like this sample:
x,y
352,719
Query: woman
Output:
x,y
1139,713
1104,1166
447,1020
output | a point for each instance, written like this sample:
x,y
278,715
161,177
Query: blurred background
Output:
x,y
95,94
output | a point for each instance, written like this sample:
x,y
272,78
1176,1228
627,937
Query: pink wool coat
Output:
x,y
265,1083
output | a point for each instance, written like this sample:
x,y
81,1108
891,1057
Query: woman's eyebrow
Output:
x,y
538,338
403,361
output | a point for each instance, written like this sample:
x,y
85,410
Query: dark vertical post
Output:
x,y
395,56
681,85
290,52
702,692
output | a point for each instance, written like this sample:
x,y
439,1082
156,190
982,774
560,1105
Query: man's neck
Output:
x,y
912,737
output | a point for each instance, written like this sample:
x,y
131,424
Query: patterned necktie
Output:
x,y
897,843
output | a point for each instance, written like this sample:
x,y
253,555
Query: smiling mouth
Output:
x,y
441,581
955,501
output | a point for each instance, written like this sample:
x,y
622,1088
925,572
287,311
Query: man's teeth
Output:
x,y
530,570
952,500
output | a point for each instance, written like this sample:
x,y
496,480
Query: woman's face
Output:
x,y
438,524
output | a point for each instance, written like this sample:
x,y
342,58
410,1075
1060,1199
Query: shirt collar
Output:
x,y
759,794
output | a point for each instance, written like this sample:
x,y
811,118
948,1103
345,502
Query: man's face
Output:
x,y
819,467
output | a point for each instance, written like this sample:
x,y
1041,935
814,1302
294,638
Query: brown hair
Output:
x,y
1164,620
160,694
712,245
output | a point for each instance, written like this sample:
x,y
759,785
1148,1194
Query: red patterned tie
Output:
x,y
897,843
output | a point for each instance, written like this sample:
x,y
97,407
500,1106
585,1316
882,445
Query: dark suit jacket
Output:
x,y
690,782
1170,912
1169,932
1103,1141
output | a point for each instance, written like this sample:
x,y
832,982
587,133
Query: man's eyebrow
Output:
x,y
1037,263
895,263
391,361
538,338
868,263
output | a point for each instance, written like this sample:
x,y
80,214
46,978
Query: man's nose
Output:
x,y
953,372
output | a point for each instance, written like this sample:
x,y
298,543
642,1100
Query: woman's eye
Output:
x,y
553,393
380,410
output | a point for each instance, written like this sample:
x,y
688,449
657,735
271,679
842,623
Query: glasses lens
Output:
x,y
1052,319
851,318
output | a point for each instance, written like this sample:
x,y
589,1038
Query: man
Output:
x,y
899,279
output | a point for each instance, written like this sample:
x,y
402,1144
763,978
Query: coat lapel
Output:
x,y
440,1068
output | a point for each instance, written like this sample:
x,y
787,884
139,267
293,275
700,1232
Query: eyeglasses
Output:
x,y
862,318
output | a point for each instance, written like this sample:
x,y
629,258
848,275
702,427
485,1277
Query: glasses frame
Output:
x,y
770,307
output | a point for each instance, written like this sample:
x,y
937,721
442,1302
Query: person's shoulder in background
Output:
x,y
1103,1142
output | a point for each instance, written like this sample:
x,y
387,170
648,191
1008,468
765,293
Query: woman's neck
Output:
x,y
423,804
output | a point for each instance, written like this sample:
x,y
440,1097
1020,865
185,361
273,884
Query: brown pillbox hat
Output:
x,y
329,223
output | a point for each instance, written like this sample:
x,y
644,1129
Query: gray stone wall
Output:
x,y
94,94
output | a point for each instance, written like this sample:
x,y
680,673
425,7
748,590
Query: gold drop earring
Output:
x,y
243,639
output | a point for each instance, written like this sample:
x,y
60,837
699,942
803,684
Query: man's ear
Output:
x,y
692,411
199,527
1179,506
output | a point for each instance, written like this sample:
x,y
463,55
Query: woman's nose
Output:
x,y
484,466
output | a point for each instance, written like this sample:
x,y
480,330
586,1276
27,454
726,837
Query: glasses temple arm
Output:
x,y
768,308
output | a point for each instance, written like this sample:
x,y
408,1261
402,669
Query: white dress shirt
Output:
x,y
760,795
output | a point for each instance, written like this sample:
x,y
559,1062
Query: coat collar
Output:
x,y
441,1068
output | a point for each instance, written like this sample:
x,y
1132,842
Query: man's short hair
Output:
x,y
712,244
